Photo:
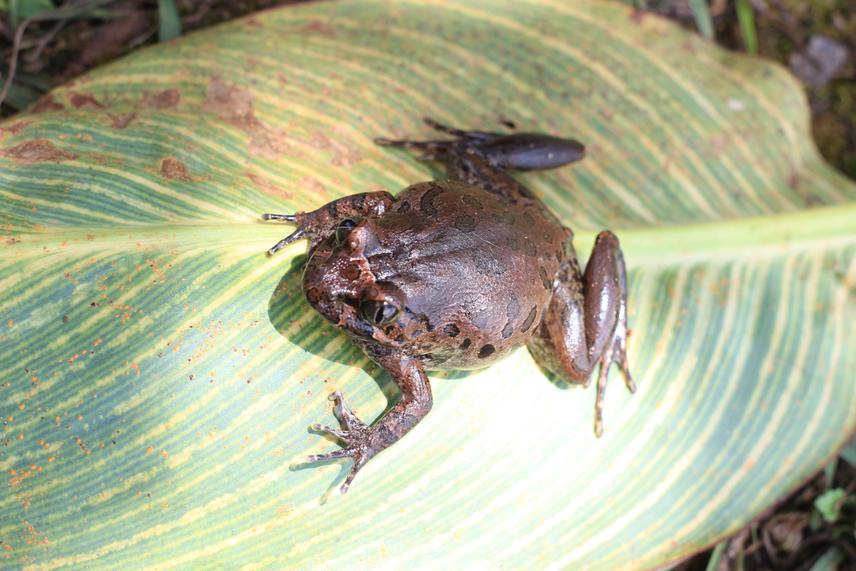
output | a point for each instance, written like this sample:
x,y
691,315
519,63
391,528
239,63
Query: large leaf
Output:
x,y
159,372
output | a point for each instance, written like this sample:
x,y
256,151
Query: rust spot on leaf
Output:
x,y
235,105
14,128
173,169
37,150
267,186
312,184
343,155
319,27
122,120
46,104
85,101
230,103
167,99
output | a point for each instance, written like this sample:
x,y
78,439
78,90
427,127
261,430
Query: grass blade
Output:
x,y
169,24
746,19
701,14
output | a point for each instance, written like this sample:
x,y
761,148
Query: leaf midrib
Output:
x,y
760,236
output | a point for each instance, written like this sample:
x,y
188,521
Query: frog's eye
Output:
x,y
343,229
378,312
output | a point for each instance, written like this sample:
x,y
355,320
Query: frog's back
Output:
x,y
476,270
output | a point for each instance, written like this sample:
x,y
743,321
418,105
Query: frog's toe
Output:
x,y
628,378
298,234
359,462
323,428
617,354
349,420
280,217
459,133
343,453
621,358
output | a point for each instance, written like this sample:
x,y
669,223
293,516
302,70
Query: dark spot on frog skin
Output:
x,y
513,244
544,279
451,330
466,344
427,200
465,223
559,256
386,435
473,202
419,319
529,320
527,218
486,351
404,207
508,329
513,308
529,247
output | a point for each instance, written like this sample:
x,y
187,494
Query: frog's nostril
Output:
x,y
351,272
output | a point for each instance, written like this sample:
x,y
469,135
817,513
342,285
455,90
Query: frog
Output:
x,y
457,273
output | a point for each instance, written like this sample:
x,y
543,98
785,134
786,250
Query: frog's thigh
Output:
x,y
581,321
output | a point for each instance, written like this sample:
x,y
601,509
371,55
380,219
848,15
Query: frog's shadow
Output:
x,y
287,304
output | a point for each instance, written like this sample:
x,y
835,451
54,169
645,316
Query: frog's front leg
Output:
x,y
586,322
319,224
362,442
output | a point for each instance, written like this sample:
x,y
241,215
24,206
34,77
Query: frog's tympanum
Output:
x,y
456,274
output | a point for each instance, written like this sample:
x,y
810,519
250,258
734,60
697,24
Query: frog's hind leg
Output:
x,y
586,322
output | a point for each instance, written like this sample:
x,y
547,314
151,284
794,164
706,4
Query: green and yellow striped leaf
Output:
x,y
158,372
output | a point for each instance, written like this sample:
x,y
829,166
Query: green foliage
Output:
x,y
169,24
701,14
20,10
829,504
746,19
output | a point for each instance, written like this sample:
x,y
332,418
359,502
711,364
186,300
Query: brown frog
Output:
x,y
457,273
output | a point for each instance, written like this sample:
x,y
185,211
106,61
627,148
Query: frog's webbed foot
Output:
x,y
362,442
355,434
319,224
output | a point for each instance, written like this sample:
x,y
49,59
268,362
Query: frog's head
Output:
x,y
339,284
